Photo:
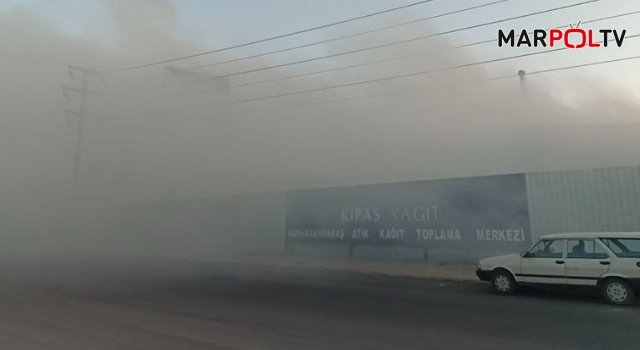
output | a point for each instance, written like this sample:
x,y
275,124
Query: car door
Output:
x,y
545,262
586,261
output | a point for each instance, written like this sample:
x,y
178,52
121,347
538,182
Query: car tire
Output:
x,y
617,291
503,282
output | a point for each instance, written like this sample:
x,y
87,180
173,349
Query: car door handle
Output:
x,y
605,263
559,262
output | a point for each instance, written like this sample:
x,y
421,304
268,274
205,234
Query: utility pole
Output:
x,y
80,114
77,157
523,85
519,146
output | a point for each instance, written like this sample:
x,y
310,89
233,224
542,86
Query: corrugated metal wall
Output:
x,y
584,200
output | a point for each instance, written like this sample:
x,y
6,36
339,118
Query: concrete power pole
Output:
x,y
80,114
519,145
523,85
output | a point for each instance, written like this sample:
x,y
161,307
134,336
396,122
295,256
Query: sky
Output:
x,y
258,132
275,17
215,24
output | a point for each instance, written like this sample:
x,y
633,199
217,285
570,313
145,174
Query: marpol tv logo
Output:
x,y
571,38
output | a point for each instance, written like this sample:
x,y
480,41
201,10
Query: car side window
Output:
x,y
585,249
623,247
552,249
599,252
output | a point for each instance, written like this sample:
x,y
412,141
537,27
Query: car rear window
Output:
x,y
624,247
585,249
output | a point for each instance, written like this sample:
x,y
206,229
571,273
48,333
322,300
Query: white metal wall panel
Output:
x,y
584,200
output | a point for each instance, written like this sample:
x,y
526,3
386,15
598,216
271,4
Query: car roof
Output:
x,y
593,235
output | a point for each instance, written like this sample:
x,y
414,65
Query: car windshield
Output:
x,y
624,247
547,249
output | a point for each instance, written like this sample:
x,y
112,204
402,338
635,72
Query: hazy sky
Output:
x,y
257,133
216,23
180,142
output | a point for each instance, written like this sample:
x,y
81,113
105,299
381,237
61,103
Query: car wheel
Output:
x,y
503,282
618,292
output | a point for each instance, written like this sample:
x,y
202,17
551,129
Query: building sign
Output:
x,y
476,212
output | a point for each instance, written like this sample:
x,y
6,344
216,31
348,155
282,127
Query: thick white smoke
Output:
x,y
137,149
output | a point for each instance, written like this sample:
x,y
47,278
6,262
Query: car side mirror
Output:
x,y
525,254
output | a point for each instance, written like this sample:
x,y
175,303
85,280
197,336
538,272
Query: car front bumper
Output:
x,y
483,275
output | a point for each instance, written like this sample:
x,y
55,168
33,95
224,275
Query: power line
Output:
x,y
421,37
400,76
163,86
488,41
271,38
351,35
416,55
438,87
346,98
344,37
357,50
586,64
411,74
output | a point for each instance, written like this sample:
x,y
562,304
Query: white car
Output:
x,y
609,261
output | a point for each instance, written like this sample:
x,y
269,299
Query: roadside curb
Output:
x,y
411,277
333,270
273,263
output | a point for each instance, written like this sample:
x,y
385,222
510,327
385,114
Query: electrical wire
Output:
x,y
400,76
350,35
414,55
585,64
438,87
190,109
357,50
268,39
162,86
364,64
346,99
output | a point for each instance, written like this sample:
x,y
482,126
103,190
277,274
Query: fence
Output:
x,y
581,200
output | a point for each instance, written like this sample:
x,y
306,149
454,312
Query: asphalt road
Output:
x,y
169,305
